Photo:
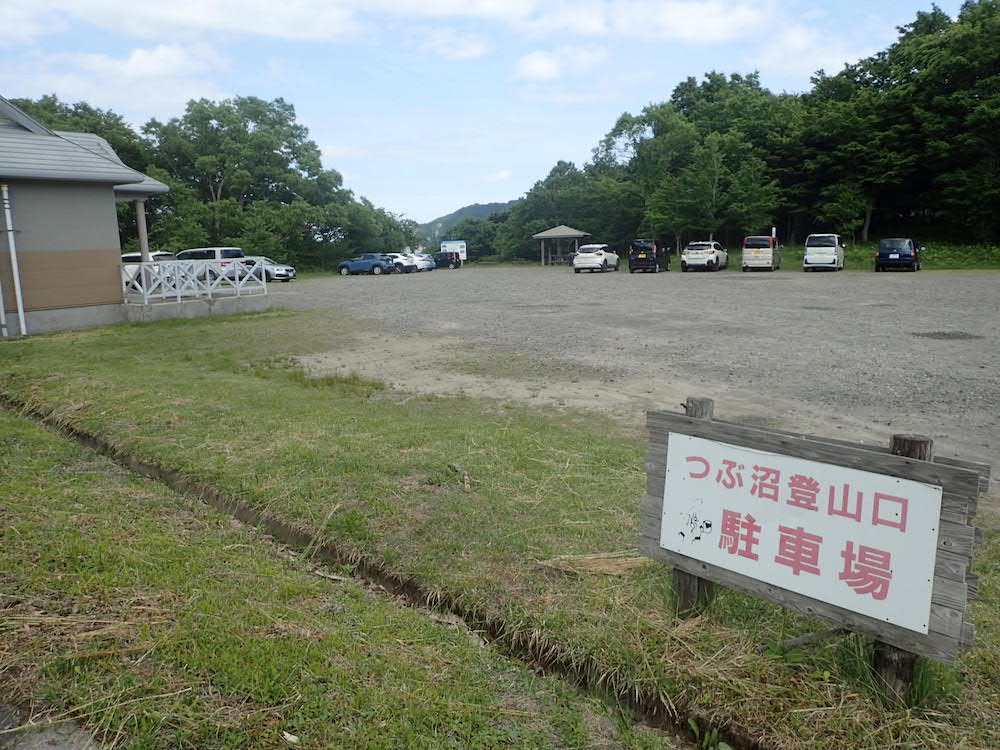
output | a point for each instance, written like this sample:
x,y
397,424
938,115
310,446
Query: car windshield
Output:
x,y
591,249
757,242
699,246
821,240
894,244
268,261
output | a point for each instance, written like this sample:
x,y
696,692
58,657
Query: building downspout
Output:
x,y
15,272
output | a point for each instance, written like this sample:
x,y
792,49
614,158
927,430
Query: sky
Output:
x,y
425,106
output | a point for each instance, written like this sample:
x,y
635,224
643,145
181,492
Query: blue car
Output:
x,y
373,263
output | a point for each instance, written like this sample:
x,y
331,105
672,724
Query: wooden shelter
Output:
x,y
557,234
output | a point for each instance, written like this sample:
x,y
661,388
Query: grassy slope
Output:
x,y
166,625
368,468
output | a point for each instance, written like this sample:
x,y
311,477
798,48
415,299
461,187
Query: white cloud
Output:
x,y
800,51
679,20
547,66
503,174
157,81
539,66
452,45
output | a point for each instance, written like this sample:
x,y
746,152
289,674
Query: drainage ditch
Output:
x,y
538,654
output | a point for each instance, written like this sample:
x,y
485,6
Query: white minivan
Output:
x,y
761,251
824,251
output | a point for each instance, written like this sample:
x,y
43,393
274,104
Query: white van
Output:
x,y
761,251
824,251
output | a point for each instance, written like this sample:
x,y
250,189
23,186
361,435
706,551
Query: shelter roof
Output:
x,y
561,232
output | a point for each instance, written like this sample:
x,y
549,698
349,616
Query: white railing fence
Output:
x,y
174,280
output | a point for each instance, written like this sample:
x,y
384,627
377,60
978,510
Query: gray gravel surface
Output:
x,y
875,353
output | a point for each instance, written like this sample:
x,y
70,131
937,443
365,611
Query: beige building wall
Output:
x,y
67,245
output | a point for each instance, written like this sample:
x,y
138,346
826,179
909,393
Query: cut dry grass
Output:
x,y
371,475
156,623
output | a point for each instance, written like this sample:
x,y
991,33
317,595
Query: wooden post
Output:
x,y
691,593
894,667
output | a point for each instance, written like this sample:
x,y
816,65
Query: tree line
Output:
x,y
905,142
241,172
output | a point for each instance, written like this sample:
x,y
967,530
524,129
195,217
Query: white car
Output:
x,y
424,262
709,255
824,251
131,263
404,263
594,258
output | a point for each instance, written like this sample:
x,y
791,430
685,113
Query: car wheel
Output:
x,y
377,270
604,267
656,269
576,270
451,265
684,268
344,271
631,270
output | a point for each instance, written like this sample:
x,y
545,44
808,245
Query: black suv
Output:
x,y
644,255
898,252
447,260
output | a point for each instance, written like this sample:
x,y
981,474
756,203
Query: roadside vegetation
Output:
x,y
524,521
156,621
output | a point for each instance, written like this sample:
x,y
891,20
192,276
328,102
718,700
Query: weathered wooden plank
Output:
x,y
968,635
934,645
972,582
950,593
950,478
949,565
983,470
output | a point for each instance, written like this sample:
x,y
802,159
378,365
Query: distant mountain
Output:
x,y
436,230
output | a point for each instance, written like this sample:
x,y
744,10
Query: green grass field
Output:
x,y
373,471
160,623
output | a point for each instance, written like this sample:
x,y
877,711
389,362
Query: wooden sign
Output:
x,y
873,542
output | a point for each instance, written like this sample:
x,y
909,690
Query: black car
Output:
x,y
898,252
447,260
644,255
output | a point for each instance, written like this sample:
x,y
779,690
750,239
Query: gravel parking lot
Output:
x,y
853,355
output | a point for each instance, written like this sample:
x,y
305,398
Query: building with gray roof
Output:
x,y
60,253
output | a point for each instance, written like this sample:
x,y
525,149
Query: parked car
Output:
x,y
373,263
131,263
224,257
824,251
644,255
273,271
709,255
898,252
404,263
761,251
424,262
594,258
447,259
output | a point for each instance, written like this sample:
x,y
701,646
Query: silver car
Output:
x,y
273,270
